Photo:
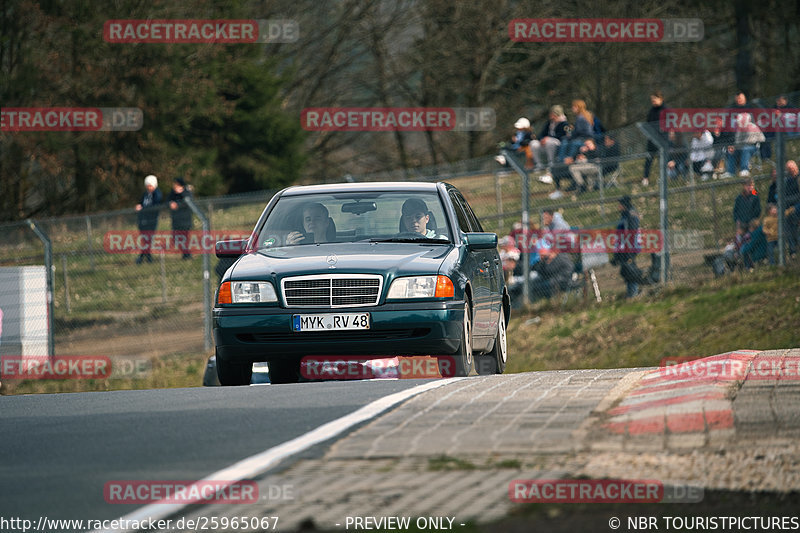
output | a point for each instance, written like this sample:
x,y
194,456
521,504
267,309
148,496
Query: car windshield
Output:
x,y
355,217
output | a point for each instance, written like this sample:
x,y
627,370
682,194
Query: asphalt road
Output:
x,y
58,450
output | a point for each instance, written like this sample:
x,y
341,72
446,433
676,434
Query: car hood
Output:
x,y
389,259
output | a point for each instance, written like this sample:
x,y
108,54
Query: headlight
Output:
x,y
421,287
246,292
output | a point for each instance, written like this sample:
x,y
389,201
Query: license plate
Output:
x,y
330,322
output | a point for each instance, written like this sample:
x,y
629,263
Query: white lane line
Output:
x,y
261,462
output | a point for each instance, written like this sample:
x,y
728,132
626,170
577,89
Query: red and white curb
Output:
x,y
691,397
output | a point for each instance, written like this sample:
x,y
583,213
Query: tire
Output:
x,y
497,358
463,359
234,374
287,371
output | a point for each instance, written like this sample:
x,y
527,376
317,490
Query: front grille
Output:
x,y
332,290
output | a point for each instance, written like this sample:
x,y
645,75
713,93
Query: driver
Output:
x,y
415,216
316,223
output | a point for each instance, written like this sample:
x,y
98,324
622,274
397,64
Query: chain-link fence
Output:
x,y
103,300
96,293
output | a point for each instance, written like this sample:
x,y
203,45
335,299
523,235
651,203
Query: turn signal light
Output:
x,y
444,287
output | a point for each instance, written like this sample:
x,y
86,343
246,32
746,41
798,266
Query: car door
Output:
x,y
477,268
495,271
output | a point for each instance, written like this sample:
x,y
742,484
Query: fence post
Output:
x,y
781,189
206,276
526,198
163,277
650,131
89,240
48,266
66,282
498,194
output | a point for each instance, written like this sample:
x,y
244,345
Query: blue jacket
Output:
x,y
147,218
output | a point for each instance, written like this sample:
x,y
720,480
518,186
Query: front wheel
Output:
x,y
462,361
498,357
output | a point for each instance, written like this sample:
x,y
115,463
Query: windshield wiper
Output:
x,y
421,240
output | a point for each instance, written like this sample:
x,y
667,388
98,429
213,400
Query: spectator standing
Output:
x,y
653,117
747,206
181,215
147,215
791,190
625,254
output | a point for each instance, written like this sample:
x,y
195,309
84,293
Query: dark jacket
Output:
x,y
558,271
628,222
746,208
147,218
181,217
559,131
610,154
791,192
654,116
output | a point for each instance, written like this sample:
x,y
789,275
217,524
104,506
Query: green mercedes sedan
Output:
x,y
362,270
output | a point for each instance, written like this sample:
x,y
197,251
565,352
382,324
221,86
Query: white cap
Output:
x,y
522,123
151,180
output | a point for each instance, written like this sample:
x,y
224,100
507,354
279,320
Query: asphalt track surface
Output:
x,y
58,450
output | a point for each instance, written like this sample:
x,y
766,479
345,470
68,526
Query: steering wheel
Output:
x,y
409,235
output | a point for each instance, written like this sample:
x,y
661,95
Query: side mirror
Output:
x,y
230,249
481,241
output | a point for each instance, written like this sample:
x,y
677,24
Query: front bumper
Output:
x,y
264,334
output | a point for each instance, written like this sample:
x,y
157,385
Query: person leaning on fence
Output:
x,y
626,251
181,214
147,215
747,206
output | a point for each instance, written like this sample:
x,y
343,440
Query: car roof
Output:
x,y
388,186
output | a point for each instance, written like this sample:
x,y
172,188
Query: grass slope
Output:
x,y
759,310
